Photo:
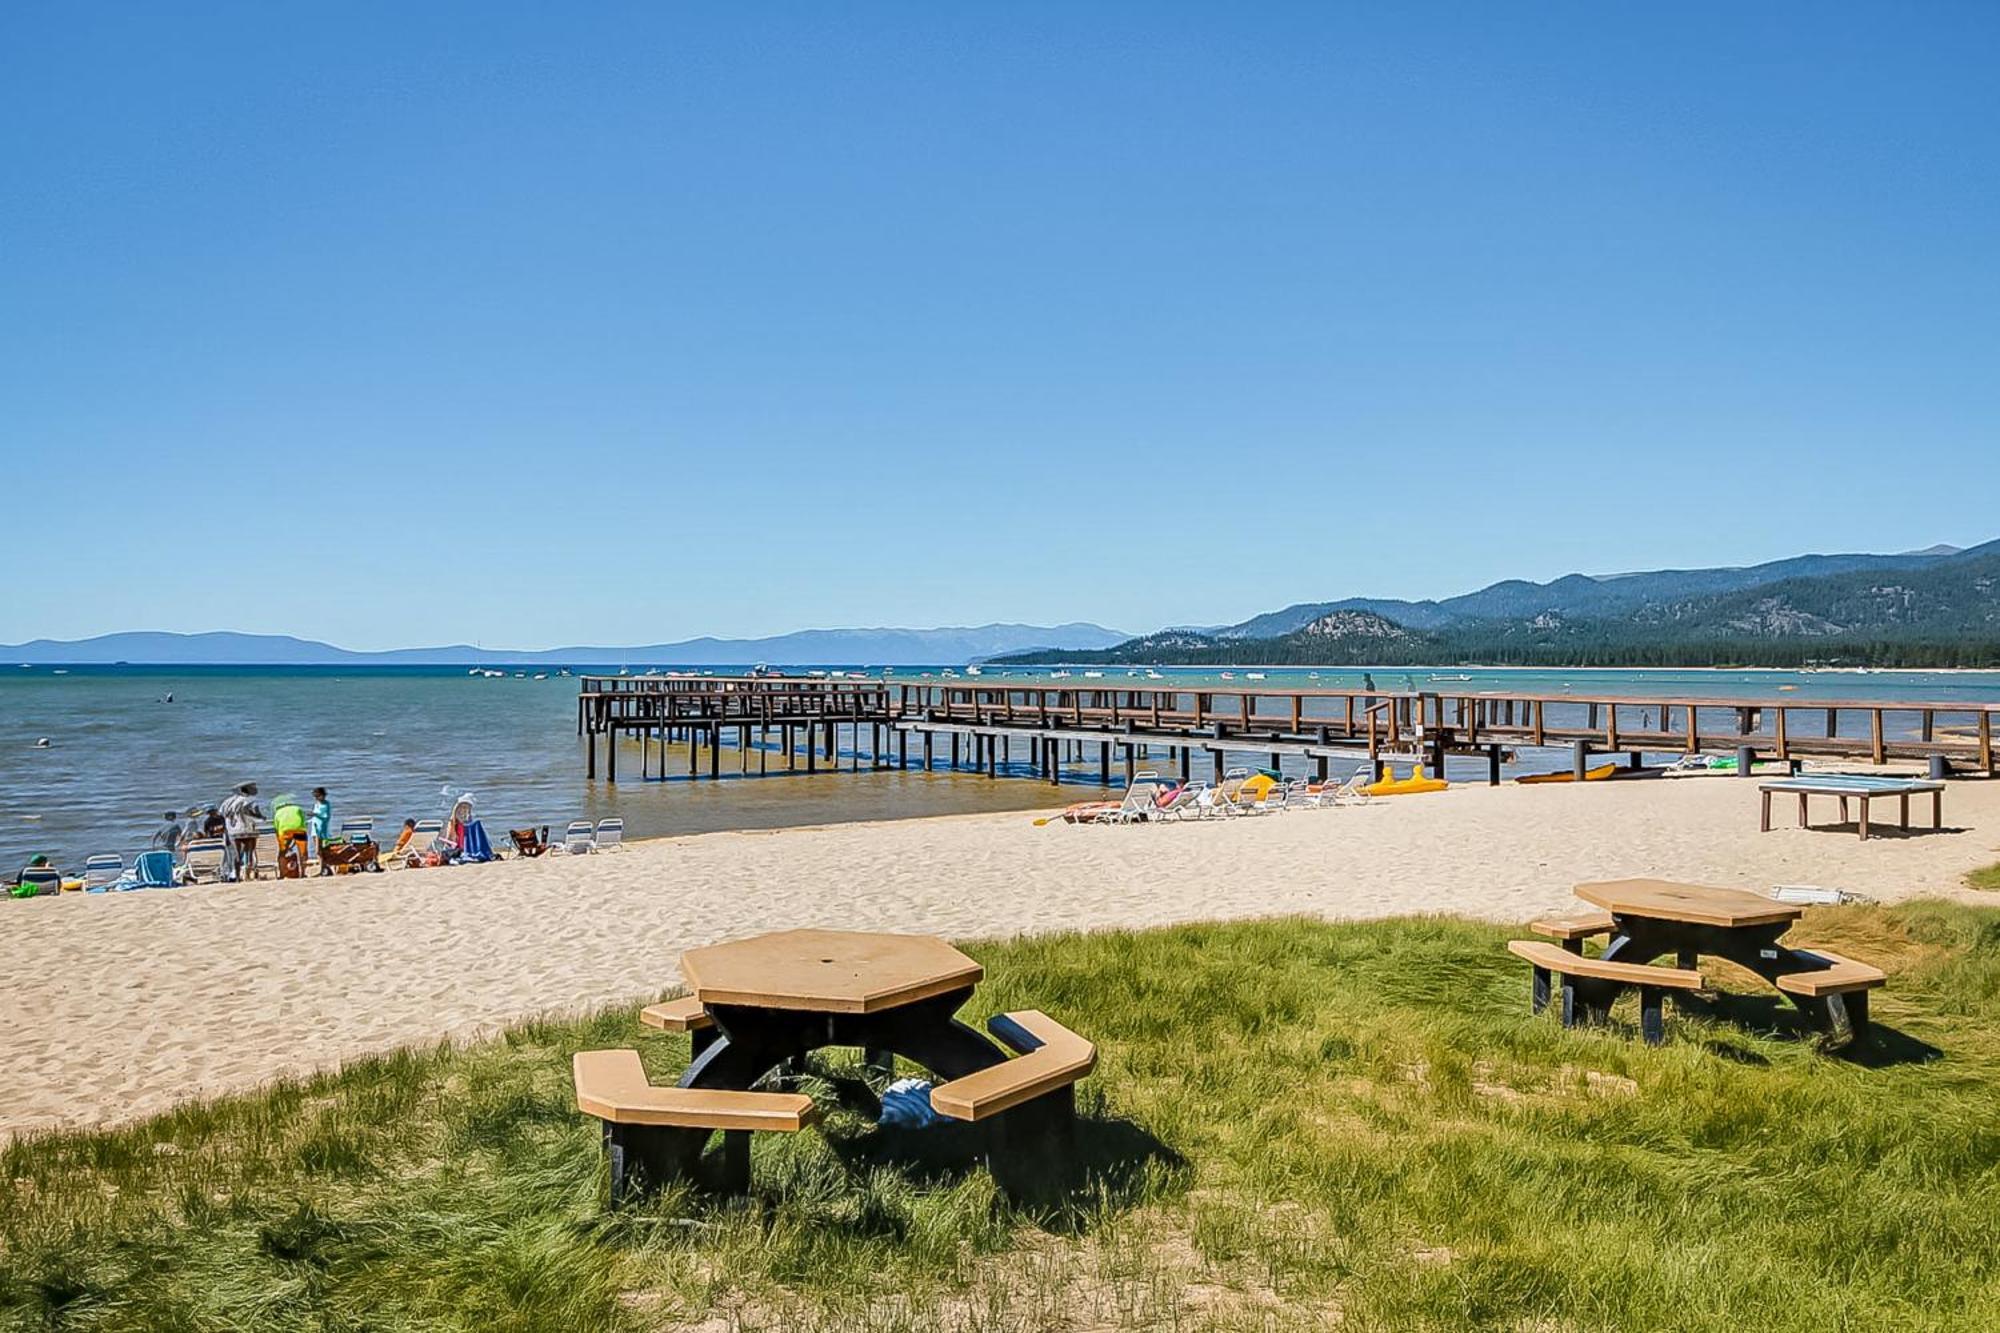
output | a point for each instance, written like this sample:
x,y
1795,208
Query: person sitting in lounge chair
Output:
x,y
404,839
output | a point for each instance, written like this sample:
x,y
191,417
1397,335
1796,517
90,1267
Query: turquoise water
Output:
x,y
399,742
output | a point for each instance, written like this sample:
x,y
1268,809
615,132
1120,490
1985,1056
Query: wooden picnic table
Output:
x,y
1858,787
775,998
1651,918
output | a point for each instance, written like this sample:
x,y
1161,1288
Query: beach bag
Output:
x,y
907,1105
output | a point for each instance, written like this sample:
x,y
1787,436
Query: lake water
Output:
x,y
399,742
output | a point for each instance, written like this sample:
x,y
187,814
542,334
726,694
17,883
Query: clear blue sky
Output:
x,y
537,324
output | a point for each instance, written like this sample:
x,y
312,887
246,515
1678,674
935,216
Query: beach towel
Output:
x,y
474,846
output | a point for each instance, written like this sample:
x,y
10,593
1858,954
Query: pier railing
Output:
x,y
1380,723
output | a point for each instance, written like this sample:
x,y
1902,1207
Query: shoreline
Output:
x,y
173,995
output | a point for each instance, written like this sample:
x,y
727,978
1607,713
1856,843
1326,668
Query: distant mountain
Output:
x,y
882,647
1586,594
1936,609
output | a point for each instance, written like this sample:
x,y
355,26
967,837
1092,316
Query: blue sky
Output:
x,y
537,324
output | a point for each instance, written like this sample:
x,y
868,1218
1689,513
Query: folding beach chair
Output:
x,y
100,872
153,870
267,852
610,835
528,842
203,859
361,828
580,836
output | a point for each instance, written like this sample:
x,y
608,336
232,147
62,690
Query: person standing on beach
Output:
x,y
240,813
321,824
168,838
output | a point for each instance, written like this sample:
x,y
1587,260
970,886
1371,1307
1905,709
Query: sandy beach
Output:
x,y
122,1005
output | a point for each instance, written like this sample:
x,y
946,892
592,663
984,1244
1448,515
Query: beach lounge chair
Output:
x,y
580,837
1174,802
527,842
267,852
361,828
46,879
610,835
100,872
1186,801
1142,801
203,859
152,870
428,837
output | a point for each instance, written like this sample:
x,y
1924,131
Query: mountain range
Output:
x,y
874,647
1937,607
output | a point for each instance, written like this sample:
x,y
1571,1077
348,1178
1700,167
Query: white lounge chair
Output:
x,y
580,837
1354,791
361,828
100,872
203,859
1142,801
267,851
610,835
1180,804
428,836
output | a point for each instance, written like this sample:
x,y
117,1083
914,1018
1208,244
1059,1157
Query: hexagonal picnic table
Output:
x,y
775,998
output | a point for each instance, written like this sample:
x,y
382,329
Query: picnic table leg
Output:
x,y
1538,992
1937,810
1847,1011
1767,812
1652,1019
1569,1004
1864,819
1843,809
1802,810
1687,959
1903,799
736,1162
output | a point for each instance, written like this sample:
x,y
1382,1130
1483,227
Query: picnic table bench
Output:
x,y
1647,919
1864,788
757,1007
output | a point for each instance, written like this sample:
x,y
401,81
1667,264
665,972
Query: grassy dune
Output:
x,y
1293,1125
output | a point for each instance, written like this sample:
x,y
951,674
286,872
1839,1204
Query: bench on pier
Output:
x,y
1653,984
1843,983
1572,931
612,1086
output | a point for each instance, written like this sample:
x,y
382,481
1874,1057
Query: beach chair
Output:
x,y
1141,801
429,833
1354,791
153,870
203,860
1185,803
580,837
361,828
100,872
1174,802
46,879
267,852
527,842
610,835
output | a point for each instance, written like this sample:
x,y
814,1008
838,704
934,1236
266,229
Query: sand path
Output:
x,y
121,1005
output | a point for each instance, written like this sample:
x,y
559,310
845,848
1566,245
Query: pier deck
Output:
x,y
1054,722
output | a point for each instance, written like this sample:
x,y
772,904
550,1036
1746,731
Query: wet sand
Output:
x,y
125,1004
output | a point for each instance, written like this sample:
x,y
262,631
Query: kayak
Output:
x,y
1598,774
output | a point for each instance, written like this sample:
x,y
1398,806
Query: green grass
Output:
x,y
1300,1124
1988,879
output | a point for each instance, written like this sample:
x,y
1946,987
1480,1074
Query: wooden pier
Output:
x,y
1056,723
